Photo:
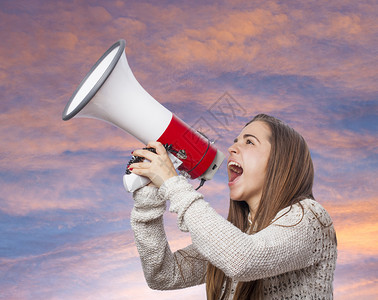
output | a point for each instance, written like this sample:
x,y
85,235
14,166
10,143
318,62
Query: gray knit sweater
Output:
x,y
295,255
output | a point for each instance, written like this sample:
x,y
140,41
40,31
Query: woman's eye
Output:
x,y
249,142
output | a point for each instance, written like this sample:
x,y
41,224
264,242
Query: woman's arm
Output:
x,y
283,246
162,269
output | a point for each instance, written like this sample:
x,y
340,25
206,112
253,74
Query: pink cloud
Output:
x,y
359,288
279,45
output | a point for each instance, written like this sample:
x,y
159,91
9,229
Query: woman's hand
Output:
x,y
158,169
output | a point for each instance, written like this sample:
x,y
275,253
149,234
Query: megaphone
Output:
x,y
111,93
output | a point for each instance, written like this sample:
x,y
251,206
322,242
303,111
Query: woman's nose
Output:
x,y
233,148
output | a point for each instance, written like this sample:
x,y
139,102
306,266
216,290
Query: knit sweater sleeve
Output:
x,y
292,242
163,269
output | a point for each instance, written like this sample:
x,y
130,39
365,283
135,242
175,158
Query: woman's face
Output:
x,y
247,163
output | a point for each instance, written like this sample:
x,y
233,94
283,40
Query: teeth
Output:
x,y
232,163
235,167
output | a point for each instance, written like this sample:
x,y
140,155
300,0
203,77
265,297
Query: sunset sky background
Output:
x,y
64,214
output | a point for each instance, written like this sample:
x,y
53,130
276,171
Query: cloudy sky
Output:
x,y
64,214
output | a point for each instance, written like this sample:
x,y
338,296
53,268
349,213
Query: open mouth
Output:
x,y
235,170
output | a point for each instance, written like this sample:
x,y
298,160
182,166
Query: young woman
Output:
x,y
277,242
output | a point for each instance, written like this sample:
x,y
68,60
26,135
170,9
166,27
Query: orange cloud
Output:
x,y
356,229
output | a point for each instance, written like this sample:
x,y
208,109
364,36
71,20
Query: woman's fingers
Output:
x,y
157,167
160,149
145,153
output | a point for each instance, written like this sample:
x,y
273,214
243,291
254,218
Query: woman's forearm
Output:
x,y
163,269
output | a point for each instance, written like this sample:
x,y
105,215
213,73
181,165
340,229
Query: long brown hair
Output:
x,y
289,179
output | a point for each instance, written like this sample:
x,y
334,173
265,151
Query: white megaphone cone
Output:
x,y
110,92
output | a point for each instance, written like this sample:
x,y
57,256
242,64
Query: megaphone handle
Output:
x,y
132,182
